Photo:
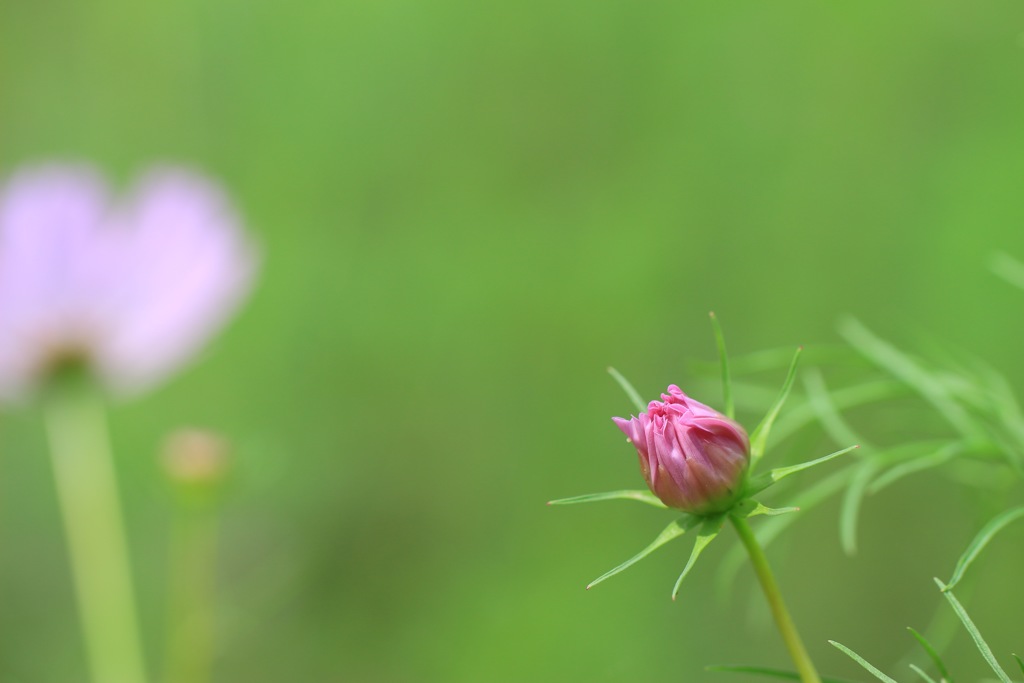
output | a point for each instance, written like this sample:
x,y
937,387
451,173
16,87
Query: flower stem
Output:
x,y
190,632
783,621
87,490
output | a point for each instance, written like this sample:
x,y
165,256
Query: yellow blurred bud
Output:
x,y
195,456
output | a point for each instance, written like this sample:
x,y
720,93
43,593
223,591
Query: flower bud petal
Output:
x,y
692,457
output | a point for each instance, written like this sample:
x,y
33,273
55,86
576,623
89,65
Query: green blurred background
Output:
x,y
467,211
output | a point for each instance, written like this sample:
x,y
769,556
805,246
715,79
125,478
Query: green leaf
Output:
x,y
828,415
642,496
772,476
933,655
978,474
759,438
1020,663
980,541
909,371
975,384
779,357
802,414
1008,268
633,394
672,531
766,671
1003,403
925,677
983,648
723,358
708,531
850,510
863,662
894,474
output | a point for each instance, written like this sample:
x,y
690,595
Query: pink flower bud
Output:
x,y
692,457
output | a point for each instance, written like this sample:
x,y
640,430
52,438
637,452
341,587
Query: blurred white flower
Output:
x,y
130,289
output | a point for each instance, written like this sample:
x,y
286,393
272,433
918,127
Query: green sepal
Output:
x,y
759,437
870,668
979,642
708,531
933,654
762,482
723,358
752,508
671,532
633,394
767,671
769,530
638,495
980,541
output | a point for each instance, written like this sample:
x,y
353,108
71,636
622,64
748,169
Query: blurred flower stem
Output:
x,y
196,463
193,558
784,622
89,501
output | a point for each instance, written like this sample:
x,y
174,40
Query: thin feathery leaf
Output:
x,y
977,385
641,496
943,627
779,358
983,648
756,670
779,473
908,370
752,397
863,662
979,474
933,654
708,531
925,677
907,452
1008,268
828,415
671,532
849,513
723,358
894,474
633,394
759,438
802,414
1004,403
997,524
766,671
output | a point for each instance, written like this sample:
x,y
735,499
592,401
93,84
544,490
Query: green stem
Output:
x,y
87,490
785,624
190,632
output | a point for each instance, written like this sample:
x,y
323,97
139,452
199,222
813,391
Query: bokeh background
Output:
x,y
467,211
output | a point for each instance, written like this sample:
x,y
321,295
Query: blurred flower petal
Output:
x,y
133,289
